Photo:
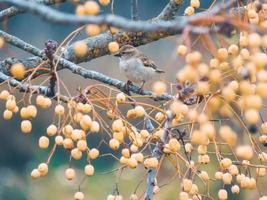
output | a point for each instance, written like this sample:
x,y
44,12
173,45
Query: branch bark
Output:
x,y
157,153
134,10
13,11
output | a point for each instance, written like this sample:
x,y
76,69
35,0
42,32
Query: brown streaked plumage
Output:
x,y
137,66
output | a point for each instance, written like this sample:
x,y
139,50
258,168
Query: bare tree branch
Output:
x,y
25,87
55,16
21,44
134,10
170,11
12,11
157,153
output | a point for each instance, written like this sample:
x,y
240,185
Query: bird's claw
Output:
x,y
126,86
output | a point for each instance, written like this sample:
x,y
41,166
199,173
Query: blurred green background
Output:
x,y
19,154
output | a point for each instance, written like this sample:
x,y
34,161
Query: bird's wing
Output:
x,y
148,63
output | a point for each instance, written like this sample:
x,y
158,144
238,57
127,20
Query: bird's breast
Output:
x,y
136,71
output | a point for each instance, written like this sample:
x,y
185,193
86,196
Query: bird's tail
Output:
x,y
160,71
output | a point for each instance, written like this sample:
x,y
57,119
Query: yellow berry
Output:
x,y
140,111
32,111
159,117
95,127
35,174
82,145
11,104
133,197
222,194
114,144
80,10
43,142
254,40
151,162
92,30
68,143
227,178
195,3
225,163
76,154
125,152
43,169
111,197
222,54
235,189
131,114
174,144
80,48
183,196
187,185
93,153
261,171
228,135
117,125
26,126
132,162
51,130
118,136
204,175
7,115
218,175
4,95
91,8
159,87
104,2
24,113
89,170
59,140
252,116
233,50
139,157
113,47
18,71
70,174
233,170
79,196
59,110
189,11
181,50
2,42
120,98
244,152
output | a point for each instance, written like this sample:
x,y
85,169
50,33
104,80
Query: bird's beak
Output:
x,y
117,54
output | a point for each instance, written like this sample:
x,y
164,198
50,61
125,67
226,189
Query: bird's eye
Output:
x,y
123,53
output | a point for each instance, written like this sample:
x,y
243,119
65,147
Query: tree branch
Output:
x,y
12,11
157,153
25,87
170,11
58,17
21,44
134,10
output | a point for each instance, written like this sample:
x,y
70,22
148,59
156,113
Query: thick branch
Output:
x,y
170,11
157,153
21,44
58,17
24,87
12,11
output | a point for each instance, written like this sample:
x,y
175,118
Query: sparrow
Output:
x,y
137,67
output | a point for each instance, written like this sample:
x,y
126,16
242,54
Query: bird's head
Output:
x,y
126,52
